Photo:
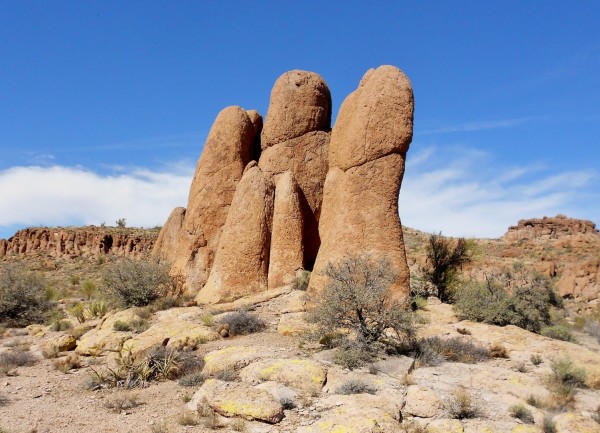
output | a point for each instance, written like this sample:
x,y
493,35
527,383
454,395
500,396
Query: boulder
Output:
x,y
300,103
166,244
570,422
242,259
287,251
294,324
233,357
366,164
238,399
226,153
422,402
62,342
300,374
445,426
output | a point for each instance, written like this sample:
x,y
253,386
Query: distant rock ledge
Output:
x,y
550,228
80,241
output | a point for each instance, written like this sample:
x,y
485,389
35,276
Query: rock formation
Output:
x,y
243,234
79,241
227,151
366,163
549,228
242,260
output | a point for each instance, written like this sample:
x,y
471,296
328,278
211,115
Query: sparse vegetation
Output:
x,y
238,424
497,350
78,312
548,424
558,332
9,361
242,322
137,325
135,283
67,363
122,402
536,359
444,257
460,405
227,374
355,387
192,379
435,350
535,401
97,309
566,377
357,298
188,418
300,282
521,412
88,289
22,297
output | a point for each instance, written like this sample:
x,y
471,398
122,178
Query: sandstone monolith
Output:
x,y
287,249
227,151
242,258
165,246
366,163
300,103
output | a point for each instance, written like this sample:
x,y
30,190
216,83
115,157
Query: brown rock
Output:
x,y
166,244
550,228
300,103
375,120
227,151
360,215
242,259
287,251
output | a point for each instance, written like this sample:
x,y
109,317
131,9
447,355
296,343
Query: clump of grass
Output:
x,y
207,319
558,332
160,427
227,374
460,405
300,282
497,350
535,401
548,424
97,309
10,361
78,312
60,325
536,359
239,425
67,363
137,325
435,350
192,379
521,412
122,402
522,368
188,418
355,387
88,288
566,377
242,322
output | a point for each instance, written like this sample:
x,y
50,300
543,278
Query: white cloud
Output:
x,y
59,195
479,125
470,195
461,192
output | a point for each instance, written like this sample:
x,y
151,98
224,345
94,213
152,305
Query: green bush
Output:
x,y
300,282
444,257
135,283
22,297
521,412
558,332
357,297
527,307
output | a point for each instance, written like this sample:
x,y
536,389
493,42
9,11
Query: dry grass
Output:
x,y
497,350
67,363
460,405
10,361
122,402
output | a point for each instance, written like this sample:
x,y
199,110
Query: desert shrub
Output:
x,y
97,309
207,319
188,418
300,282
9,361
460,405
355,387
521,412
78,312
535,401
67,363
596,415
22,297
160,427
137,325
592,328
353,354
238,424
536,359
563,382
135,283
227,374
548,424
121,402
527,307
60,325
497,350
242,322
444,257
88,288
435,350
558,332
192,379
357,297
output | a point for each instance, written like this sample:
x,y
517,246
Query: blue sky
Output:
x,y
104,106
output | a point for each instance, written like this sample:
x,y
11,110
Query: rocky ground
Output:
x,y
274,381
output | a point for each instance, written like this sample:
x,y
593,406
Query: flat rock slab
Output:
x,y
422,402
397,366
570,422
359,413
445,426
172,333
301,374
62,342
234,357
238,399
98,341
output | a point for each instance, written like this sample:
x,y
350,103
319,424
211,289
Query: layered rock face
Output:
x,y
366,164
78,241
269,200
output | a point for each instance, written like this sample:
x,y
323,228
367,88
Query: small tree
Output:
x,y
358,298
121,222
443,259
22,297
136,283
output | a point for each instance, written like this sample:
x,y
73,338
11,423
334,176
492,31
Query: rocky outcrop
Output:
x,y
287,250
549,228
166,244
242,259
366,164
80,241
226,153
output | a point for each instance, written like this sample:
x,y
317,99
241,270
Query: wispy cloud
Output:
x,y
470,195
479,125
